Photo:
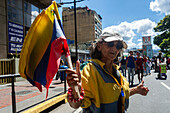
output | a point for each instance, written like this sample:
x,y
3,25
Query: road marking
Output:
x,y
78,110
165,85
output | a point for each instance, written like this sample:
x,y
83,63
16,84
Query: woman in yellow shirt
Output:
x,y
103,88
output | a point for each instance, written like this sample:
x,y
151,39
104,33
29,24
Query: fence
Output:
x,y
13,89
8,66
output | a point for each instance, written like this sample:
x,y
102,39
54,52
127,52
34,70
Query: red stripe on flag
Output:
x,y
38,85
57,49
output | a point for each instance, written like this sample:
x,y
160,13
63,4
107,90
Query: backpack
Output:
x,y
133,59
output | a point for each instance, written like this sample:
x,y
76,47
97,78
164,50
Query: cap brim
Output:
x,y
110,39
113,38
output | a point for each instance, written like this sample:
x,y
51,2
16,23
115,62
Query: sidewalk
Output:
x,y
26,95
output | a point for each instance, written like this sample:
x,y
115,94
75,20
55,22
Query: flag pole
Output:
x,y
68,57
75,23
71,66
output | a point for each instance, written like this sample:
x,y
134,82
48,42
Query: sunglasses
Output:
x,y
119,45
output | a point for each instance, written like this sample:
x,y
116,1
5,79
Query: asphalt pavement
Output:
x,y
158,98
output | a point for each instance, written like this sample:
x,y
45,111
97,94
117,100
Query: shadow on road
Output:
x,y
53,107
163,78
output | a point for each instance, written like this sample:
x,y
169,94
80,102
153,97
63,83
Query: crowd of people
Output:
x,y
141,65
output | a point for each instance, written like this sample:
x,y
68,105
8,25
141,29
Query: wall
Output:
x,y
3,40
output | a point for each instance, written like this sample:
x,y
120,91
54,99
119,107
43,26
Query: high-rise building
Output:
x,y
89,24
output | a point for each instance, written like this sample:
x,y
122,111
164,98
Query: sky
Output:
x,y
133,19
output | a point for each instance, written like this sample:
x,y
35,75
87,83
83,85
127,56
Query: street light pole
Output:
x,y
75,23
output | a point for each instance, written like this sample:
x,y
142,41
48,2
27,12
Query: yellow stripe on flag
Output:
x,y
36,42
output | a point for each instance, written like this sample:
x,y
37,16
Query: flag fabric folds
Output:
x,y
43,46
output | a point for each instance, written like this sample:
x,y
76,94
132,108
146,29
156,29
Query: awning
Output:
x,y
42,4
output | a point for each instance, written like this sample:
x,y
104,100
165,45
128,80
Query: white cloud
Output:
x,y
139,40
155,47
139,45
131,44
144,26
34,15
125,29
162,6
134,29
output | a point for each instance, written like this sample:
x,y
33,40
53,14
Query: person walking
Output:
x,y
156,64
149,65
61,74
131,66
139,65
123,66
153,63
146,63
102,87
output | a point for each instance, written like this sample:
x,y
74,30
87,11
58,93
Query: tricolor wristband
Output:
x,y
71,97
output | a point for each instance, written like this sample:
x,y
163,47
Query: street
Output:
x,y
157,100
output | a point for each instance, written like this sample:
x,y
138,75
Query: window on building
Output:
x,y
30,13
15,3
15,15
27,20
27,7
27,14
34,12
65,18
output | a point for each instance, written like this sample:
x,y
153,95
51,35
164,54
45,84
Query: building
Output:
x,y
89,27
89,24
16,17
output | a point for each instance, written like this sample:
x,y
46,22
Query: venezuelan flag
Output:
x,y
43,46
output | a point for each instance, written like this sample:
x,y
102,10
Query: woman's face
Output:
x,y
108,53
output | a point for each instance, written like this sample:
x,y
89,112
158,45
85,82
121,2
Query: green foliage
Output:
x,y
165,46
159,38
163,40
163,25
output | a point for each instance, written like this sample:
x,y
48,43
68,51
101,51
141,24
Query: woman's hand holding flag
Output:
x,y
74,80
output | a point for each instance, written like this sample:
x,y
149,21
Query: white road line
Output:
x,y
78,110
165,85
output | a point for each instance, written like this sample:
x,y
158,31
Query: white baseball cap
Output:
x,y
109,37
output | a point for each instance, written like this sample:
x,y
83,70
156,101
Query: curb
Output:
x,y
46,104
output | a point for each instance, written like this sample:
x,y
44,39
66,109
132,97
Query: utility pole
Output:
x,y
75,21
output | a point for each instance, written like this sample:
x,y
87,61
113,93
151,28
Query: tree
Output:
x,y
165,46
163,40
